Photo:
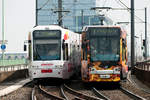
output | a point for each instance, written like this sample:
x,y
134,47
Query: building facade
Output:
x,y
77,13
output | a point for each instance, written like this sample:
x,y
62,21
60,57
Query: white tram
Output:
x,y
54,52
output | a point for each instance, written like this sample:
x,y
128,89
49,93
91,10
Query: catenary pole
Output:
x,y
3,28
145,33
36,15
60,12
132,34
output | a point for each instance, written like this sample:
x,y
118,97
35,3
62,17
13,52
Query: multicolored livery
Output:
x,y
103,54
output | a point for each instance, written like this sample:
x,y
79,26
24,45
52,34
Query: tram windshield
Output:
x,y
46,45
104,44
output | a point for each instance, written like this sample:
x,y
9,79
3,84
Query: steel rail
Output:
x,y
98,94
62,93
80,95
132,95
134,84
50,94
33,97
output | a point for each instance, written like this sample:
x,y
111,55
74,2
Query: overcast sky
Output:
x,y
20,18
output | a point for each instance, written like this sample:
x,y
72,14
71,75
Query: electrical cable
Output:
x,y
44,5
130,11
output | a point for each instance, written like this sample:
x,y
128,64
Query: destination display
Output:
x,y
101,31
46,33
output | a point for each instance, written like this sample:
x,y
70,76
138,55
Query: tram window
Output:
x,y
63,47
123,49
123,54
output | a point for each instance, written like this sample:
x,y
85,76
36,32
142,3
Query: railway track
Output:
x,y
117,94
135,85
132,95
59,93
33,96
78,95
79,91
42,93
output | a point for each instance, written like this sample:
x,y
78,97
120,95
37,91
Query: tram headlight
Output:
x,y
92,69
58,66
35,66
117,70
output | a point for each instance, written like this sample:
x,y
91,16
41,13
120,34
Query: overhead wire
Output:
x,y
124,4
44,4
128,9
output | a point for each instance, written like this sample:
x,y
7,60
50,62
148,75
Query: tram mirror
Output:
x,y
29,41
123,42
25,47
142,47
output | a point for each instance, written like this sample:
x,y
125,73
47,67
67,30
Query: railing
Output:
x,y
143,65
13,67
12,62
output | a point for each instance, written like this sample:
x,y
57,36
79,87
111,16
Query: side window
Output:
x,y
123,49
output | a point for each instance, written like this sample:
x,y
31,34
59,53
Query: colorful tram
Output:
x,y
103,54
54,52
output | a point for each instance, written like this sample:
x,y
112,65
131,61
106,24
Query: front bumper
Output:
x,y
108,75
96,78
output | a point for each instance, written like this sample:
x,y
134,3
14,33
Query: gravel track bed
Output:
x,y
23,93
127,85
115,95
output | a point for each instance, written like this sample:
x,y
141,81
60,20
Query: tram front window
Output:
x,y
46,45
105,45
49,50
104,49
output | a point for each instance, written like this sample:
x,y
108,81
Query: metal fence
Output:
x,y
12,62
13,67
143,65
